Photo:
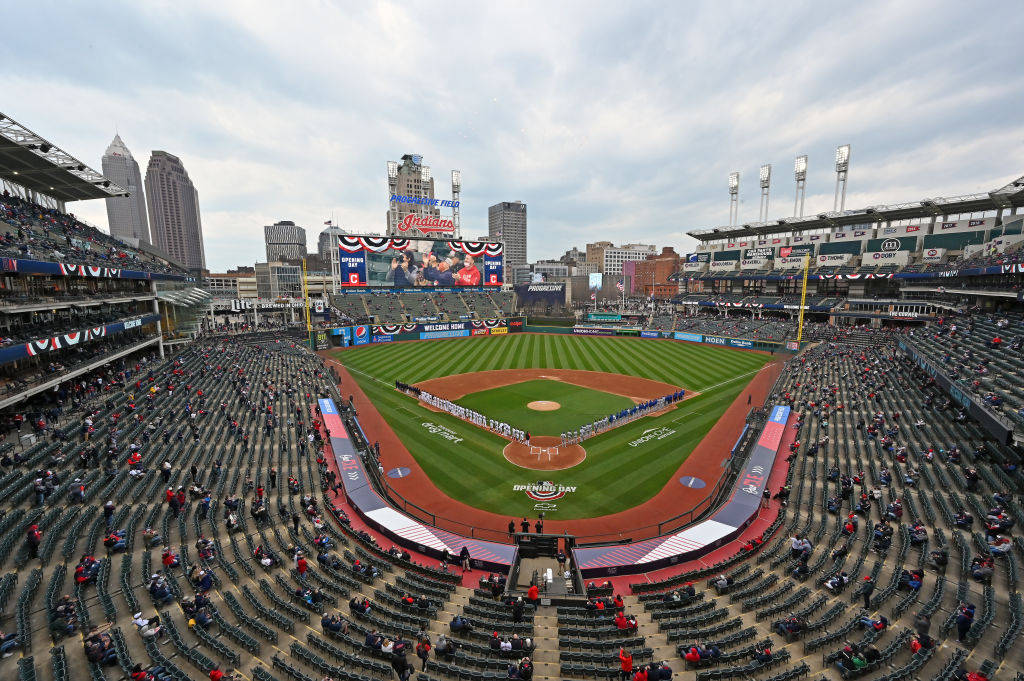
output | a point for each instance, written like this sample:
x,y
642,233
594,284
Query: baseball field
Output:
x,y
589,378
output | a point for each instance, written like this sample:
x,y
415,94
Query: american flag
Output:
x,y
620,286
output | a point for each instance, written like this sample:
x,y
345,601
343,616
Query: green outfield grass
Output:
x,y
615,476
578,405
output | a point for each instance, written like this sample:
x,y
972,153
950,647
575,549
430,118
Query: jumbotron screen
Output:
x,y
391,262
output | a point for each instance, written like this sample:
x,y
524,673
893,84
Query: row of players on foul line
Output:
x,y
585,431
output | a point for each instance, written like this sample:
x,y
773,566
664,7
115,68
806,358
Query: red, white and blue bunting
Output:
x,y
489,323
68,340
391,329
72,270
477,248
373,244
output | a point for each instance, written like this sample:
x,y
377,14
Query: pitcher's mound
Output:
x,y
543,405
544,453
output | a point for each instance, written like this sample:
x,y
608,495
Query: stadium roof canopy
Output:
x,y
38,165
1007,197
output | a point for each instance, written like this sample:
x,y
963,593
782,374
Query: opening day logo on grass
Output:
x,y
544,491
442,431
652,434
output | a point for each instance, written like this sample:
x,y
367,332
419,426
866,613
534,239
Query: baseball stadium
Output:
x,y
801,458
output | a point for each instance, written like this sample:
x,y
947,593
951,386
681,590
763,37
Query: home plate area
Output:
x,y
544,453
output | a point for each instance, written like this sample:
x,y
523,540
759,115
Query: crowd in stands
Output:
x,y
36,233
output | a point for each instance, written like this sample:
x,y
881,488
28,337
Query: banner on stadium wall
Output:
x,y
65,269
603,317
789,263
515,325
692,337
724,264
741,343
716,340
438,326
591,331
1000,430
837,259
320,340
890,244
72,338
796,251
755,264
694,266
388,262
650,334
544,294
899,258
934,255
382,339
433,335
698,257
761,253
361,334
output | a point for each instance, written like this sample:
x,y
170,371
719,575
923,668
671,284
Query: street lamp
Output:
x,y
734,199
765,178
800,171
842,166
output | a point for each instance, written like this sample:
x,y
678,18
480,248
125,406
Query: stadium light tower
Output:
x,y
456,191
392,190
734,198
842,166
800,170
765,178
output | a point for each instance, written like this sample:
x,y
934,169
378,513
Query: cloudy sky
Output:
x,y
612,120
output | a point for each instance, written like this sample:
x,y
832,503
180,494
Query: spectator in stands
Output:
x,y
625,664
533,594
8,642
964,620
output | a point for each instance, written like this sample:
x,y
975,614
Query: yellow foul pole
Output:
x,y
305,296
803,300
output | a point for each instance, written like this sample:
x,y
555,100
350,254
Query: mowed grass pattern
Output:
x,y
615,475
577,405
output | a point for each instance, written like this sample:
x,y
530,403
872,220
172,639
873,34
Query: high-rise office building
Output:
x,y
328,242
506,222
284,241
126,216
174,210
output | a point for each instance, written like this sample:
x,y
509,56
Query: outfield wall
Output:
x,y
372,334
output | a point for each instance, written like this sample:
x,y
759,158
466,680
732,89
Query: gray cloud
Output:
x,y
614,120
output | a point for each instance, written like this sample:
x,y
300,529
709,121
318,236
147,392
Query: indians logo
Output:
x,y
544,491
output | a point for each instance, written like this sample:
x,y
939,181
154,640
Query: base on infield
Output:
x,y
544,453
543,405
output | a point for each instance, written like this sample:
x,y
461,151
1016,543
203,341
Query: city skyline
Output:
x,y
613,122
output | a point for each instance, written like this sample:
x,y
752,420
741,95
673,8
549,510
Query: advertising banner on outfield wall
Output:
x,y
591,331
433,335
692,337
650,334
